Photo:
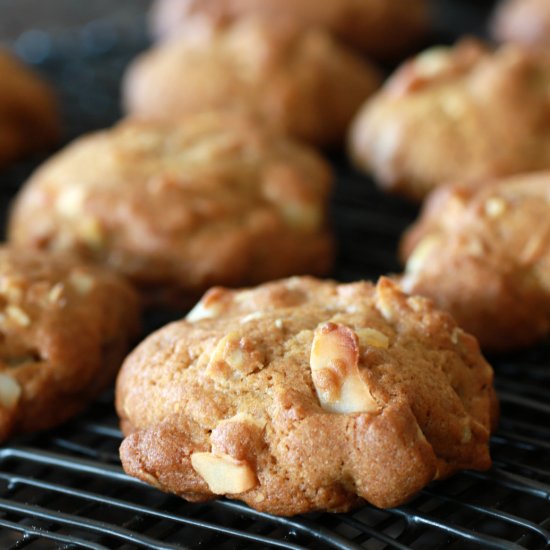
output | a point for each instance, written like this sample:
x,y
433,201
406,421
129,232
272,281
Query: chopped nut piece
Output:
x,y
433,61
201,311
372,337
11,288
91,231
81,282
416,303
18,316
233,357
279,323
224,474
210,306
335,372
495,207
69,203
421,252
251,317
10,391
244,419
54,295
455,335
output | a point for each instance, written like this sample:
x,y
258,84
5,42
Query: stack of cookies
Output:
x,y
297,394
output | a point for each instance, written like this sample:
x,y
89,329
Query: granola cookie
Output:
x,y
28,115
479,254
65,328
461,113
523,21
179,207
304,83
304,395
376,27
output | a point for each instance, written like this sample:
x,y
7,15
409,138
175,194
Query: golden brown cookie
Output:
x,y
304,83
382,28
304,395
523,21
217,199
483,256
28,114
462,113
65,328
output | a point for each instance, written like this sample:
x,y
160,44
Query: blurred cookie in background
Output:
x,y
29,120
302,82
178,207
523,21
464,112
483,255
377,28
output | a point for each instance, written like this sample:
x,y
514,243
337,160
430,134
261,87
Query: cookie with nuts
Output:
x,y
523,21
482,254
463,113
304,395
376,27
179,207
29,120
302,82
65,328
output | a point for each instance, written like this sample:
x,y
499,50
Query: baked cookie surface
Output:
x,y
217,199
28,114
304,83
462,113
305,395
523,21
482,255
64,331
376,27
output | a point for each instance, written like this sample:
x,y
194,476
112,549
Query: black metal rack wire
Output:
x,y
65,488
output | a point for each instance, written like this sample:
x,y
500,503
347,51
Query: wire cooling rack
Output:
x,y
65,488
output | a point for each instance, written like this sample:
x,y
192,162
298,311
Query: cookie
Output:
x,y
64,330
305,395
479,255
29,120
304,83
464,113
376,27
177,208
523,21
